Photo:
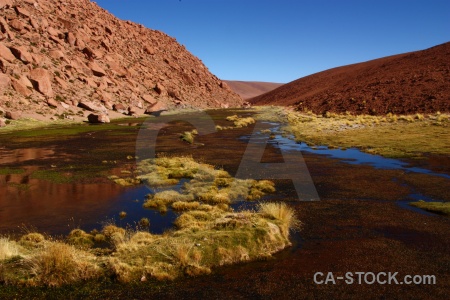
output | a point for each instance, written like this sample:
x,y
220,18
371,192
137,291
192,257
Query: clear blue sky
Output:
x,y
282,40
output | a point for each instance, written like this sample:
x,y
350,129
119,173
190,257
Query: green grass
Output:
x,y
390,135
189,136
240,122
208,185
32,128
9,171
435,207
69,174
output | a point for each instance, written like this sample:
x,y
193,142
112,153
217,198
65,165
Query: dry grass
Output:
x,y
80,239
207,185
207,234
390,135
282,213
8,248
204,239
181,205
435,207
58,264
240,122
189,136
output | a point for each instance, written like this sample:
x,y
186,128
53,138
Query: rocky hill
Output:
x,y
415,82
70,58
250,89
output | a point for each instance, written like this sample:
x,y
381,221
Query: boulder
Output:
x,y
98,118
96,69
52,103
22,53
160,89
22,12
156,108
41,81
52,31
6,53
65,105
25,81
148,98
132,111
17,24
62,83
13,115
90,106
5,81
120,108
71,39
2,122
20,88
56,54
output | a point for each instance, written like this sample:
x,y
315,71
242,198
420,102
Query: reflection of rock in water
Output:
x,y
21,155
49,206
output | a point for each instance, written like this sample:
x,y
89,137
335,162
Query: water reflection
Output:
x,y
50,207
26,154
351,155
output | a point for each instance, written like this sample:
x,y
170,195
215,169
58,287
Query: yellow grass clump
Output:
x,y
203,239
8,248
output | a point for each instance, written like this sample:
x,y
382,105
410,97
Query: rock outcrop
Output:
x,y
73,52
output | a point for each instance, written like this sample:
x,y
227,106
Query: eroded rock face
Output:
x,y
73,49
98,118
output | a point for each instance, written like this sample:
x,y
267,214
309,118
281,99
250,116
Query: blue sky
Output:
x,y
283,40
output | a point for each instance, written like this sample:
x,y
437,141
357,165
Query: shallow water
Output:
x,y
350,155
56,208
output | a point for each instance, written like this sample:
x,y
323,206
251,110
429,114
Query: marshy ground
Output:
x,y
360,223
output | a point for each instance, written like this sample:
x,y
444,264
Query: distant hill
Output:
x,y
72,57
403,84
250,89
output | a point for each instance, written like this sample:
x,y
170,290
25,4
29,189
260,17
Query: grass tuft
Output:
x,y
435,207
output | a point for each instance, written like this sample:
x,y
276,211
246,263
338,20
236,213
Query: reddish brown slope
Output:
x,y
250,89
405,83
55,54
